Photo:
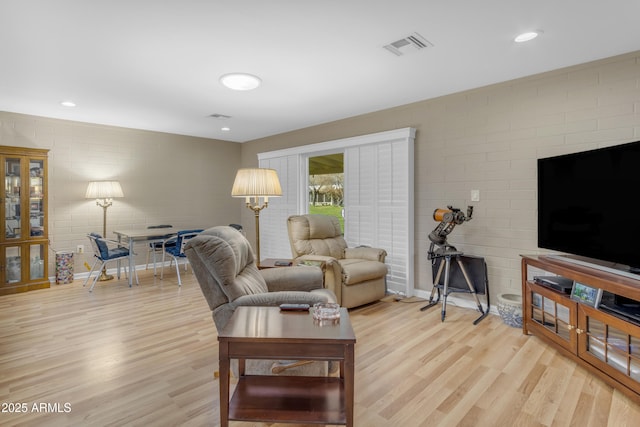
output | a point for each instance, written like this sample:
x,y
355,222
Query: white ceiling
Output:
x,y
155,64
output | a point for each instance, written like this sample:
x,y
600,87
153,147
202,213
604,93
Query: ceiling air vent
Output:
x,y
219,116
412,43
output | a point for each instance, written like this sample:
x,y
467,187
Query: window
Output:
x,y
326,186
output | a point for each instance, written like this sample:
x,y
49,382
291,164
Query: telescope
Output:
x,y
449,218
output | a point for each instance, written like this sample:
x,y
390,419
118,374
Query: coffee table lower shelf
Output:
x,y
288,399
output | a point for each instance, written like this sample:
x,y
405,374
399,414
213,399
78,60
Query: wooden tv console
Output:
x,y
606,344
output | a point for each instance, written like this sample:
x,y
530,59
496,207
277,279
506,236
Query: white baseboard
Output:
x,y
452,299
112,271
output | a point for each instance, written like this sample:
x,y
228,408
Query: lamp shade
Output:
x,y
104,190
256,182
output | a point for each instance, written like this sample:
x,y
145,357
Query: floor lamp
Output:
x,y
254,184
104,192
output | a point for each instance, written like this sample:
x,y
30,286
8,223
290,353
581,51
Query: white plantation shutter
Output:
x,y
379,207
378,199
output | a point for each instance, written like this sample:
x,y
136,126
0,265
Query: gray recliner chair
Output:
x,y
357,276
224,265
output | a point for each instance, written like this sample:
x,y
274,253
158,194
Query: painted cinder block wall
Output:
x,y
486,139
166,179
489,139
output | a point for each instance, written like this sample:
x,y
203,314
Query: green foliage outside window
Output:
x,y
328,210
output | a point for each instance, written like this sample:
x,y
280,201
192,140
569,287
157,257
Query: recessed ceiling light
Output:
x,y
225,129
529,35
240,81
68,104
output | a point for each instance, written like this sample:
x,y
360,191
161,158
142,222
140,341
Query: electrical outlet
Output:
x,y
475,195
80,249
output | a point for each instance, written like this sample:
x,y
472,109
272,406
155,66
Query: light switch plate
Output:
x,y
475,195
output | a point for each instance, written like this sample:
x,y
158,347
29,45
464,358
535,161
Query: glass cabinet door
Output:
x,y
13,264
36,261
611,343
552,314
36,197
12,197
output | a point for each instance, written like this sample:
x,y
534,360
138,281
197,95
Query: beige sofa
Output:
x,y
356,275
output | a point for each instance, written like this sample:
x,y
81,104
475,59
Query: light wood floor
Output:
x,y
145,356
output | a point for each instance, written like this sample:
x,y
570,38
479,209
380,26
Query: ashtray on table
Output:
x,y
326,311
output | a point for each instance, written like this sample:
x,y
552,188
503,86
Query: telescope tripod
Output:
x,y
445,266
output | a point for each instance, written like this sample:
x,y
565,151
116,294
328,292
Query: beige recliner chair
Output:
x,y
355,275
224,264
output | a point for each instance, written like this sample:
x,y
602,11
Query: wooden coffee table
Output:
x,y
268,333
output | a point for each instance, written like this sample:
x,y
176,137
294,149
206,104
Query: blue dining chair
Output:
x,y
174,247
156,247
105,250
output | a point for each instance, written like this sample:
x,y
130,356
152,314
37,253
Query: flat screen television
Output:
x,y
588,205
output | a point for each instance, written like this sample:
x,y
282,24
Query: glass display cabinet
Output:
x,y
23,209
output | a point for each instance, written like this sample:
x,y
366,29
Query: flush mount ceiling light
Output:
x,y
240,81
529,35
68,104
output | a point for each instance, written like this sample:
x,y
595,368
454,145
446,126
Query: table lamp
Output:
x,y
104,192
254,184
